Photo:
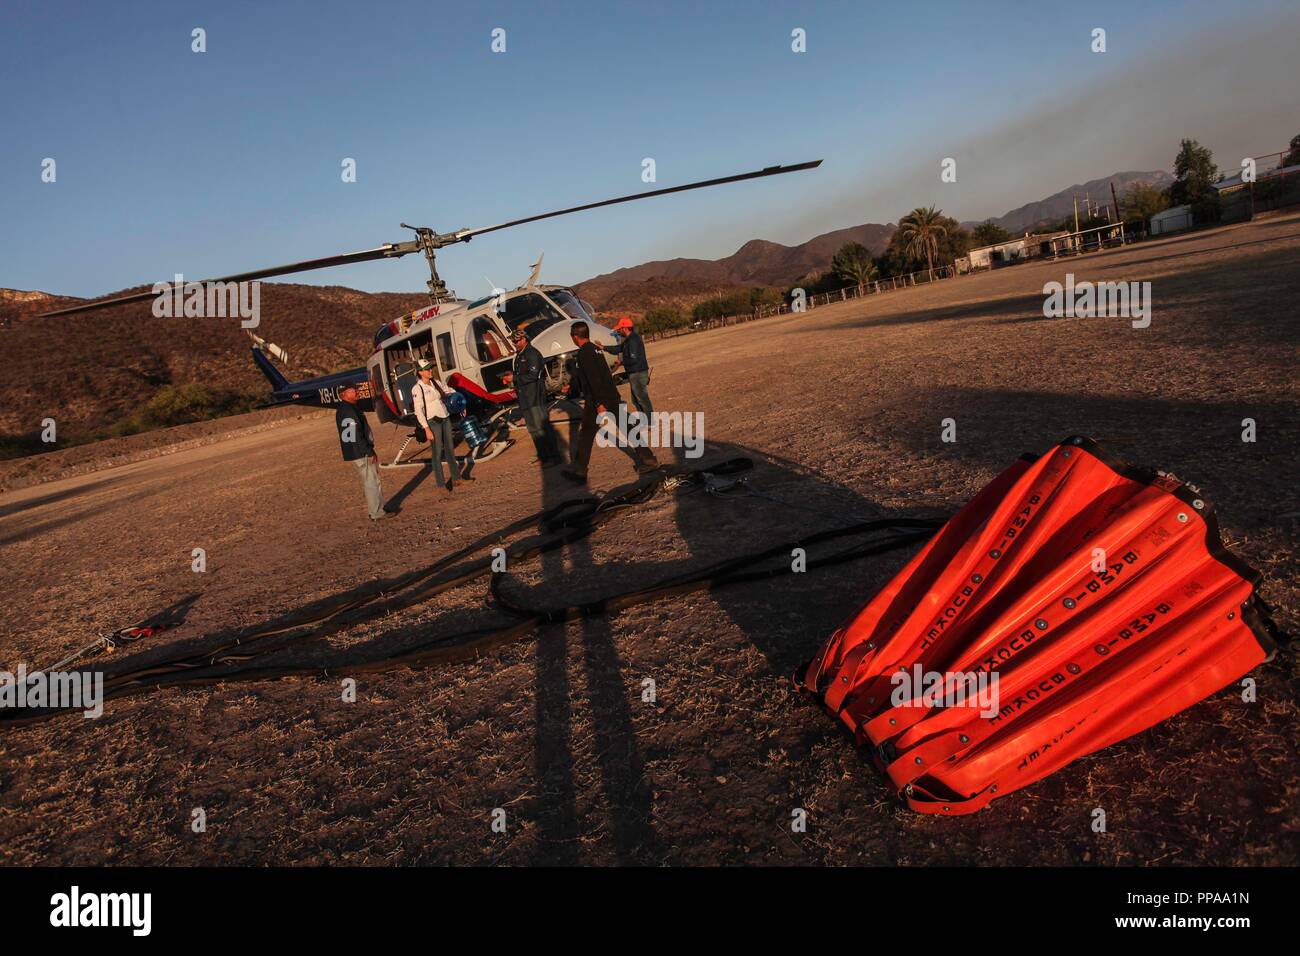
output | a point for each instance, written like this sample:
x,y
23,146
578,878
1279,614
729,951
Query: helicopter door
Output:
x,y
494,353
401,363
446,355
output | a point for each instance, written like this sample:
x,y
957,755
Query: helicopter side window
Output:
x,y
446,356
488,342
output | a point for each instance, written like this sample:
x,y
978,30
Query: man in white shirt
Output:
x,y
431,413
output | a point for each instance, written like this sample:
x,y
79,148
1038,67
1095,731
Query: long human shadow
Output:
x,y
395,502
786,621
25,531
621,762
63,495
1184,254
1200,441
1014,305
1232,284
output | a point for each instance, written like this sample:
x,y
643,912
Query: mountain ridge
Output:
x,y
683,281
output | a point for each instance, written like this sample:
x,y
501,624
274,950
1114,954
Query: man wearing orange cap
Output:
x,y
631,353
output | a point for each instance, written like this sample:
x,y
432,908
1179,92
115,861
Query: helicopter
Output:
x,y
469,342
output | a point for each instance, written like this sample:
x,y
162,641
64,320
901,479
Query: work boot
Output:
x,y
574,477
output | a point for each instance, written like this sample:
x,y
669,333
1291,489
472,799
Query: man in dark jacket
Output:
x,y
631,352
528,379
598,396
358,445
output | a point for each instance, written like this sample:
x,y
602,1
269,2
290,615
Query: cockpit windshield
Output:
x,y
529,308
570,304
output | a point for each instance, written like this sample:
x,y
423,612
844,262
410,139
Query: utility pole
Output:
x,y
1114,199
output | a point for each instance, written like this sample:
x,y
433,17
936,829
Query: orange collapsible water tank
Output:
x,y
1075,601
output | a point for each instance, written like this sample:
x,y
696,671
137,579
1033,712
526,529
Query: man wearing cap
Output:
x,y
599,396
431,412
631,352
530,388
358,445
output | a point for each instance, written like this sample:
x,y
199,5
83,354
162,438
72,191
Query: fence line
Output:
x,y
875,287
1242,202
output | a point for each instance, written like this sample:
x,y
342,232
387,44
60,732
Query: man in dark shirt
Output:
x,y
598,395
528,379
631,352
358,446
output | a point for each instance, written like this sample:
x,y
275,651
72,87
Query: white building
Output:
x,y
1171,220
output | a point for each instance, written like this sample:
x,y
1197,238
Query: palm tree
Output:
x,y
922,229
852,262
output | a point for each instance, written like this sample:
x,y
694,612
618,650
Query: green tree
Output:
x,y
181,404
988,233
903,256
852,263
663,318
922,228
1142,201
1293,158
1194,175
815,283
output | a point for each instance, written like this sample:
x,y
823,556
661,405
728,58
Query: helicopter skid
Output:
x,y
489,451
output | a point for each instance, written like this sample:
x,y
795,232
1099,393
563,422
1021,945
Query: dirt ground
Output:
x,y
842,408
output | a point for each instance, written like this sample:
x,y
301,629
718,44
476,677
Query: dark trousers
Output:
x,y
541,432
587,437
640,384
444,448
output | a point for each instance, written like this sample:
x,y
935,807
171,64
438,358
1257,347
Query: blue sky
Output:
x,y
173,161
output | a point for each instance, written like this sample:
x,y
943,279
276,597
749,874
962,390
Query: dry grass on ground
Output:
x,y
842,407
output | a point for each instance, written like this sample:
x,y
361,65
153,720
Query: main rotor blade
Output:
x,y
395,250
386,251
466,234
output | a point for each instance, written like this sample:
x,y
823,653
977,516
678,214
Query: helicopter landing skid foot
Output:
x,y
397,461
492,449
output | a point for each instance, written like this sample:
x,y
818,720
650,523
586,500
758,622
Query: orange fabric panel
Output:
x,y
1097,597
